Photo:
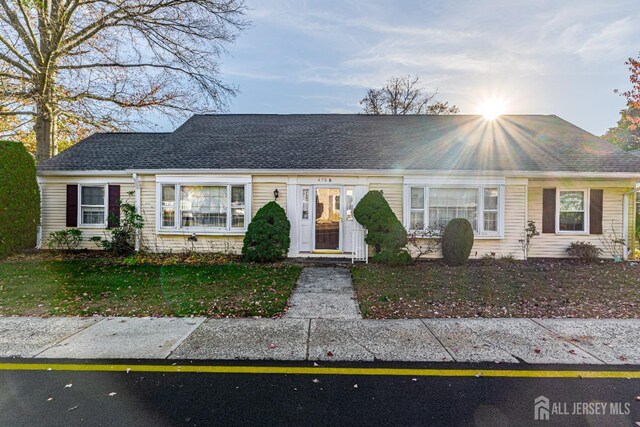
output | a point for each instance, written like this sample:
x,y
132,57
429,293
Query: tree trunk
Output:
x,y
45,128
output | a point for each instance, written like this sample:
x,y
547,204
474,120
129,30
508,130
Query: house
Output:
x,y
210,176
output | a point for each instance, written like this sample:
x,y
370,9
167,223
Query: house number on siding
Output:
x,y
325,179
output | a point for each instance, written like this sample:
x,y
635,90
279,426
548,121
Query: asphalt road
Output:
x,y
69,393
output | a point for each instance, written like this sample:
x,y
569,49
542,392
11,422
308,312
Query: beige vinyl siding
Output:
x,y
54,207
392,192
176,241
263,188
555,245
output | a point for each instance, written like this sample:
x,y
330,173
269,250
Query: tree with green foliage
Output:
x,y
457,241
267,238
385,232
626,134
19,198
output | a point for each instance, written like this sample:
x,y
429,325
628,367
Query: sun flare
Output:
x,y
492,108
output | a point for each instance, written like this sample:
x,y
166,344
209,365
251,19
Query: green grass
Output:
x,y
84,287
536,288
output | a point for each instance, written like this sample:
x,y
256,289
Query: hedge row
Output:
x,y
19,198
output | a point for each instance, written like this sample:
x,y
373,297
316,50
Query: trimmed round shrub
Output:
x,y
19,198
267,237
457,241
384,231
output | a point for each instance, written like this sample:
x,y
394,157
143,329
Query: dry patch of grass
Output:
x,y
535,288
112,287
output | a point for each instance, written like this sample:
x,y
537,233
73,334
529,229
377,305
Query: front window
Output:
x,y
92,205
436,206
168,206
215,207
491,209
571,211
204,206
417,208
237,206
446,204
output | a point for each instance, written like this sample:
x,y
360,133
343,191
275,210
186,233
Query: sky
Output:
x,y
560,57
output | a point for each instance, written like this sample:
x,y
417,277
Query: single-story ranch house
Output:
x,y
210,176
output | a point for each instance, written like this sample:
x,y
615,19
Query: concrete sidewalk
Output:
x,y
574,341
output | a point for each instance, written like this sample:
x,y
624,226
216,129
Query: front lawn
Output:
x,y
85,287
536,288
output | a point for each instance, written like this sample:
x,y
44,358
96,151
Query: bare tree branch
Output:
x,y
102,63
403,95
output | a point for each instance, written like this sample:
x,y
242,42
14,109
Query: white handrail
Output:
x,y
360,248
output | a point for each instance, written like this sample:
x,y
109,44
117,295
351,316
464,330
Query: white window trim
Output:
x,y
478,234
223,231
587,203
104,224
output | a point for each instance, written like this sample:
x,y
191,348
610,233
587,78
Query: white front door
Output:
x,y
325,220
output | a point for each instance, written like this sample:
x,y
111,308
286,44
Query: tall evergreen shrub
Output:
x,y
267,238
19,198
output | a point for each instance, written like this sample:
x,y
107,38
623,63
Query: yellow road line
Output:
x,y
303,370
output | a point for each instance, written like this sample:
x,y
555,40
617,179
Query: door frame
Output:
x,y
312,209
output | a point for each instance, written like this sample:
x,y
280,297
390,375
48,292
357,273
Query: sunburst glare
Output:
x,y
492,108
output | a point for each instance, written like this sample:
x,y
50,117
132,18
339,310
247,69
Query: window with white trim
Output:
x,y
93,206
446,204
417,221
571,210
305,203
168,206
214,207
435,206
491,209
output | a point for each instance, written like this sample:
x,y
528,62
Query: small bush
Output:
x,y
122,242
584,250
267,237
384,231
19,198
457,241
65,240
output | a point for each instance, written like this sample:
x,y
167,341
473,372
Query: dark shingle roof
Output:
x,y
341,141
106,151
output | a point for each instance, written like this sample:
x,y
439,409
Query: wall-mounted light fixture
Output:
x,y
276,194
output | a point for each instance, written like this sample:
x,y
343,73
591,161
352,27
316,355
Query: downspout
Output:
x,y
39,234
136,182
625,221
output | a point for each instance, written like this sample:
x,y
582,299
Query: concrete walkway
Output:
x,y
323,293
573,341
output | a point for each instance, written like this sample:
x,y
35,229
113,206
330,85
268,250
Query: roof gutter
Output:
x,y
400,172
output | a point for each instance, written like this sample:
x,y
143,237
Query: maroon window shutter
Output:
x,y
595,211
114,207
72,205
549,210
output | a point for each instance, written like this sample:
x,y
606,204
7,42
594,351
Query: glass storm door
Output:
x,y
327,221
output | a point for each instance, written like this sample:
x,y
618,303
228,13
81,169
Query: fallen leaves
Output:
x,y
536,288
